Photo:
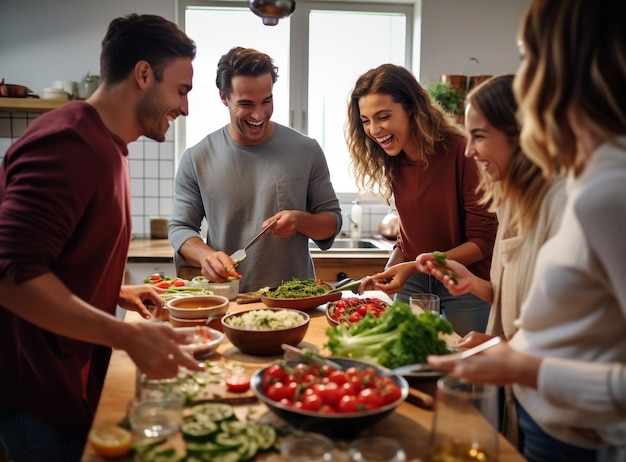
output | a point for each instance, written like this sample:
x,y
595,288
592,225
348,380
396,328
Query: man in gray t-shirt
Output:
x,y
246,174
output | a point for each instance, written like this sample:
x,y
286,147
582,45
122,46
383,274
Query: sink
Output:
x,y
348,245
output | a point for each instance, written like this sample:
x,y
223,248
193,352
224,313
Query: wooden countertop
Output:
x,y
409,424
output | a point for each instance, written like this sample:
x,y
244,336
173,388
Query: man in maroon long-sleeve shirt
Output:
x,y
65,227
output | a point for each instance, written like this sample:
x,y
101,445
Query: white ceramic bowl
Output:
x,y
206,340
230,290
198,306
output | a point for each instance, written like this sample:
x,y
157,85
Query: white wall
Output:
x,y
455,30
42,41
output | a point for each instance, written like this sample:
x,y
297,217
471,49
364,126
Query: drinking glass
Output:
x,y
376,449
425,302
157,408
465,422
306,447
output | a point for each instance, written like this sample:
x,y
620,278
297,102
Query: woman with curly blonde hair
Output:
x,y
567,360
403,144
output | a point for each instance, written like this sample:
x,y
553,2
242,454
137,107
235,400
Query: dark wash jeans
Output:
x,y
538,446
28,439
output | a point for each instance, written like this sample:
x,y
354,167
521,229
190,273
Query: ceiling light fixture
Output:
x,y
272,10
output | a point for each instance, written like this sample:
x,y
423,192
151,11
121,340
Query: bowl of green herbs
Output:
x,y
300,294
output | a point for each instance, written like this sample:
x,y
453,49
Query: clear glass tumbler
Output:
x,y
157,408
465,422
425,302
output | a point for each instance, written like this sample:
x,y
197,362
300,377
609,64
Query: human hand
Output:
x,y
473,339
499,365
134,298
218,267
286,223
389,281
463,278
155,349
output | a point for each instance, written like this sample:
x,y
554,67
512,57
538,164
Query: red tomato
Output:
x,y
390,393
155,277
355,317
279,391
311,401
274,373
370,398
178,283
163,285
238,383
340,304
337,377
331,394
348,403
362,310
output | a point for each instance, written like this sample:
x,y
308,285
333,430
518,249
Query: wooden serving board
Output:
x,y
210,386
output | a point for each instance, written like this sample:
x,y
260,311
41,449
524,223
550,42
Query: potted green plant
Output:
x,y
448,96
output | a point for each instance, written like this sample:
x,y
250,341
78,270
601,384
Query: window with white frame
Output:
x,y
320,51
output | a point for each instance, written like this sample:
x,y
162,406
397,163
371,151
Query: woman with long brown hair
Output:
x,y
402,144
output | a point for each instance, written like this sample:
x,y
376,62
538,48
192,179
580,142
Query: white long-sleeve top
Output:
x,y
575,312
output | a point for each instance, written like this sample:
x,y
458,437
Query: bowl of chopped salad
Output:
x,y
300,294
263,331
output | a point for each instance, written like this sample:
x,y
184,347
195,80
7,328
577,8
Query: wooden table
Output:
x,y
409,424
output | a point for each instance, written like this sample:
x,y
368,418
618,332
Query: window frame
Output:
x,y
299,48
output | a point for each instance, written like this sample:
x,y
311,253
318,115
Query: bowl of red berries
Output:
x,y
349,310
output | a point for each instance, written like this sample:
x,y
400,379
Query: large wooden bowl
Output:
x,y
264,342
304,303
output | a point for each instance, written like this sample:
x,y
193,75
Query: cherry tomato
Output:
x,y
274,373
178,283
370,398
155,277
312,401
355,317
279,391
238,383
390,393
331,394
348,403
337,377
163,285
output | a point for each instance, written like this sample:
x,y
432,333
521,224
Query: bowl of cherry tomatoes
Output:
x,y
349,310
334,402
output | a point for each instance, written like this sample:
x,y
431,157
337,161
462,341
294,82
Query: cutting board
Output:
x,y
210,386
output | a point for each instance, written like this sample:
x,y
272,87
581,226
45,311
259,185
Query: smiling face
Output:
x,y
250,105
491,148
387,123
165,100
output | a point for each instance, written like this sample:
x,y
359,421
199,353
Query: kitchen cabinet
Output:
x,y
29,104
327,269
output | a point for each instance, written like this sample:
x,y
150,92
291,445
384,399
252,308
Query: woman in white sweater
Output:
x,y
568,357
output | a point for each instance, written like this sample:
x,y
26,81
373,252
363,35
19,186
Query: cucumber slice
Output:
x,y
215,412
228,456
198,431
264,434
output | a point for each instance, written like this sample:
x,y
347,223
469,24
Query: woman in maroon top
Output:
x,y
65,229
403,144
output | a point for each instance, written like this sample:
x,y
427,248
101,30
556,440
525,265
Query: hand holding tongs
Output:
x,y
240,254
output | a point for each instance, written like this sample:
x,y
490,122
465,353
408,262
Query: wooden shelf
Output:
x,y
29,104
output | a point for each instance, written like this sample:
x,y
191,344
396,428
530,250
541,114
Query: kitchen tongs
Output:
x,y
240,254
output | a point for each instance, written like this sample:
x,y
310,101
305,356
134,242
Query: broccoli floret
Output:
x,y
395,339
